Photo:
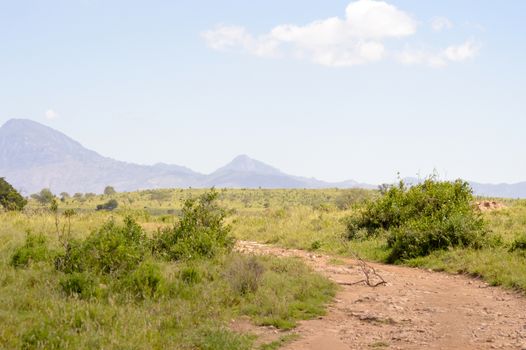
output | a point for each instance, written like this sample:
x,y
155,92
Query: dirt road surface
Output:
x,y
416,309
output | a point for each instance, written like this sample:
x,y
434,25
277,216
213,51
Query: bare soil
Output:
x,y
415,309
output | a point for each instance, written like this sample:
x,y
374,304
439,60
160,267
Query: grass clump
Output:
x,y
244,274
418,220
35,249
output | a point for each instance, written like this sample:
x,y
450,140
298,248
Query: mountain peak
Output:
x,y
18,124
244,163
25,143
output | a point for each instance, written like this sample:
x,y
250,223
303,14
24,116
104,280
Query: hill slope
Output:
x,y
34,156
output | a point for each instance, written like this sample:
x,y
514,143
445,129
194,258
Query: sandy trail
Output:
x,y
417,309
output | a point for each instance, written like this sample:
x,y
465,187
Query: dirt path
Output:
x,y
417,309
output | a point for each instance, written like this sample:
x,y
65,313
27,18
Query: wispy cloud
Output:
x,y
440,58
439,24
359,37
51,114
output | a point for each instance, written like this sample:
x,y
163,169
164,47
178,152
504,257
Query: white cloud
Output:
x,y
441,58
362,36
51,114
438,24
462,52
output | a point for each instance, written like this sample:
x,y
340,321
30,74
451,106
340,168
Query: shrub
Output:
x,y
44,197
111,250
200,232
144,281
79,283
10,199
429,216
244,274
109,190
35,249
109,205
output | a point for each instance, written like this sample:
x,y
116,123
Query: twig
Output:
x,y
368,272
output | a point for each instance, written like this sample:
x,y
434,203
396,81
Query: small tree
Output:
x,y
10,199
64,196
109,190
44,197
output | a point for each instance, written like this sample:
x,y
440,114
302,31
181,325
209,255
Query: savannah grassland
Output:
x,y
195,300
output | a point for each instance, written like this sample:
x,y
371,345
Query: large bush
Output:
x,y
429,216
201,232
111,250
10,199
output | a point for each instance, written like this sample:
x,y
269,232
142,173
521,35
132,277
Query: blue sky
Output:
x,y
330,89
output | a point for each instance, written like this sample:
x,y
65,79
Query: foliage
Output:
x,y
35,249
244,274
109,190
10,199
144,281
109,205
64,196
111,250
201,231
83,284
429,216
44,197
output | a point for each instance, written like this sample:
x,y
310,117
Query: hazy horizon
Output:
x,y
304,87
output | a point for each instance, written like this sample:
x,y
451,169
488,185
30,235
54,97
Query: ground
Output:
x,y
416,309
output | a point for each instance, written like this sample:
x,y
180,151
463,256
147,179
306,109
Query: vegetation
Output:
x,y
201,231
44,197
132,279
10,199
109,205
109,190
420,219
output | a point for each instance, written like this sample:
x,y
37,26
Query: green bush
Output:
x,y
10,199
79,283
420,219
35,249
144,281
111,250
200,232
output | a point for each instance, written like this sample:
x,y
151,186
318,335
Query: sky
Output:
x,y
328,89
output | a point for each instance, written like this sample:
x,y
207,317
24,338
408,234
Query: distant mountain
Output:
x,y
34,156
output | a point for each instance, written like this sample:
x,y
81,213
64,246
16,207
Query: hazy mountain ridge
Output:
x,y
34,156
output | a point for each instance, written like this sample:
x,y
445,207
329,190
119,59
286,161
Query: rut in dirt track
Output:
x,y
416,309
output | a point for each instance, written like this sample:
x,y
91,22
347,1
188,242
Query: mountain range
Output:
x,y
34,156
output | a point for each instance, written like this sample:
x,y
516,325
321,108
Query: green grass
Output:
x,y
191,308
37,313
